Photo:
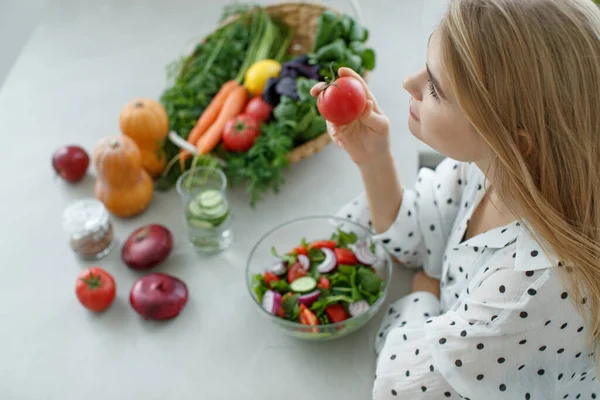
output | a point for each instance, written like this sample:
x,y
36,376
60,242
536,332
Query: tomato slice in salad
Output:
x,y
270,277
307,317
336,313
320,244
300,250
324,283
345,256
296,271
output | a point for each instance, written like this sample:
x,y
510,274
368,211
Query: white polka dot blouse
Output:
x,y
504,327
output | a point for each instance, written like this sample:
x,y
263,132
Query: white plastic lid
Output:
x,y
84,216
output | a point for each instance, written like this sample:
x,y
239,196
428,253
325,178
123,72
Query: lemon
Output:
x,y
259,73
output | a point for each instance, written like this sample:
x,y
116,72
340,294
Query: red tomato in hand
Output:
x,y
240,133
95,289
307,317
345,257
270,277
343,101
336,313
296,271
258,109
319,244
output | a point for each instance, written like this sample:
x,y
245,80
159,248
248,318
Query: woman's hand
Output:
x,y
424,283
368,138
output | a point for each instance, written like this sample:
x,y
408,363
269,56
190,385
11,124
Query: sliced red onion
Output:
x,y
309,298
279,268
364,255
305,261
358,307
329,263
271,302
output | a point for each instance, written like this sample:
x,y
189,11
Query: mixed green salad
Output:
x,y
321,282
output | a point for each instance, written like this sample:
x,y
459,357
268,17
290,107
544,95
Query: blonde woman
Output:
x,y
507,229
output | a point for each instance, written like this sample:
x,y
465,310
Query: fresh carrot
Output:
x,y
233,106
208,117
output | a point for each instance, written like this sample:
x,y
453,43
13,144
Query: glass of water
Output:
x,y
203,191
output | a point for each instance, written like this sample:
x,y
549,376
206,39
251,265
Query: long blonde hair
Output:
x,y
533,67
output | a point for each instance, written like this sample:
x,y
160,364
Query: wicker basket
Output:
x,y
302,18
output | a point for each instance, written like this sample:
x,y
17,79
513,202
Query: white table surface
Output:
x,y
84,61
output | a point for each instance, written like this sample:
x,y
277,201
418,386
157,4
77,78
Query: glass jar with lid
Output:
x,y
87,223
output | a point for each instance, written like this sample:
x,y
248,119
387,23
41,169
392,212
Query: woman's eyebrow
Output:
x,y
435,82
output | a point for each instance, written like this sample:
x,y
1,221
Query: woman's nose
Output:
x,y
413,85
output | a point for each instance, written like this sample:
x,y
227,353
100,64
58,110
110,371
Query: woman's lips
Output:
x,y
412,114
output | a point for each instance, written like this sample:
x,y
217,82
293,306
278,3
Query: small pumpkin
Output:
x,y
122,184
147,123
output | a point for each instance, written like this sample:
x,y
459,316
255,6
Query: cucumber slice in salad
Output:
x,y
304,284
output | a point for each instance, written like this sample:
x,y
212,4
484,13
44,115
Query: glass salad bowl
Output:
x,y
318,278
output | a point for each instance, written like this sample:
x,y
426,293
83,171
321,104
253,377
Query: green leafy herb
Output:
x,y
356,296
347,269
316,256
259,287
288,258
343,239
318,306
300,119
290,306
339,279
340,43
280,286
369,281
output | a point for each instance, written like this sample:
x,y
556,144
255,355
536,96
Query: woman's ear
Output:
x,y
525,142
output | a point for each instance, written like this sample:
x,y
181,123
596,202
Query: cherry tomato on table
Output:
x,y
345,256
95,289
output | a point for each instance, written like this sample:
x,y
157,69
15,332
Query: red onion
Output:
x,y
71,163
364,255
147,247
309,298
305,261
358,307
329,263
158,296
279,268
271,302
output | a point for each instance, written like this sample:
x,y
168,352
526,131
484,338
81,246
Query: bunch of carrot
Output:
x,y
228,103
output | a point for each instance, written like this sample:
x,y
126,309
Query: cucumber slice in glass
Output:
x,y
200,224
210,198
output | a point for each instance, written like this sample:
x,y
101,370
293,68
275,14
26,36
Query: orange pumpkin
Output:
x,y
146,122
122,184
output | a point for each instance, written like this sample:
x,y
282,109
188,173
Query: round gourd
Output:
x,y
147,123
122,184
